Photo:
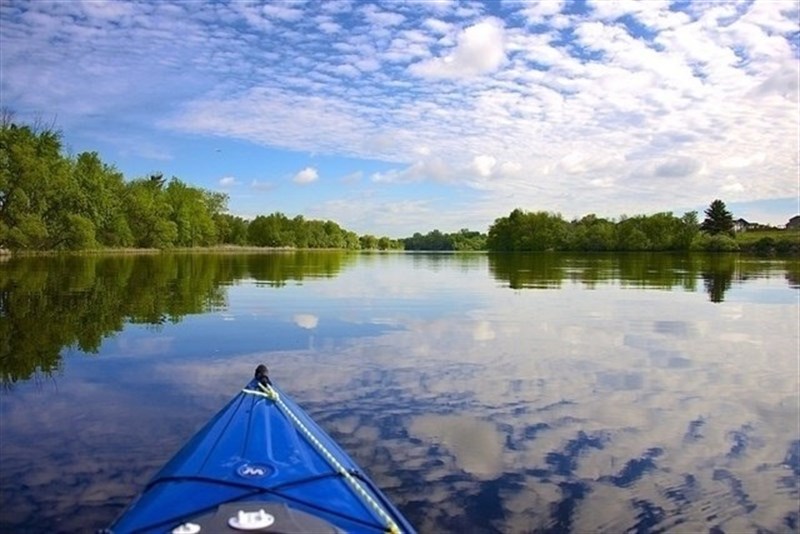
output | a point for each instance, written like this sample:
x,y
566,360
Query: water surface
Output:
x,y
546,393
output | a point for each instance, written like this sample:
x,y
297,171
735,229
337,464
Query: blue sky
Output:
x,y
396,117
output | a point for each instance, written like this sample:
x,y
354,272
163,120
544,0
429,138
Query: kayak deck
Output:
x,y
261,464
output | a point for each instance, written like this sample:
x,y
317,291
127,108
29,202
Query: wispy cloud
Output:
x,y
261,185
228,181
352,178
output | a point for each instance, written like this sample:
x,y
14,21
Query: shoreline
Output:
x,y
772,244
223,249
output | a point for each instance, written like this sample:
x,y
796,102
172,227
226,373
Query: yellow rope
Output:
x,y
271,394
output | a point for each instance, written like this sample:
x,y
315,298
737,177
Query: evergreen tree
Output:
x,y
718,219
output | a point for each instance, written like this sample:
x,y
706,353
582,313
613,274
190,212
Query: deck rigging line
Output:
x,y
271,394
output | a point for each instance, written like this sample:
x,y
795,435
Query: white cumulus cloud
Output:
x,y
483,165
480,50
306,176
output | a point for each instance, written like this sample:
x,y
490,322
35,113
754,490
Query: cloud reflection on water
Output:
x,y
476,446
680,424
612,409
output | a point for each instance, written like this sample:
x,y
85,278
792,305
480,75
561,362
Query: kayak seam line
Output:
x,y
242,485
219,437
249,491
355,484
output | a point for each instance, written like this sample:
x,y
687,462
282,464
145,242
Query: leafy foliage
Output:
x,y
370,242
463,240
541,231
277,230
49,201
715,243
525,231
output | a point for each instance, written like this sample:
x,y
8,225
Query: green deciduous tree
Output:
x,y
148,214
384,243
687,231
433,240
192,210
277,230
35,188
368,242
101,192
466,239
591,234
528,231
269,231
231,229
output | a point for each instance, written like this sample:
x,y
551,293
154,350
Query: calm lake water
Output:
x,y
544,393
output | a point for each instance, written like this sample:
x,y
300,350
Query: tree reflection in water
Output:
x,y
52,303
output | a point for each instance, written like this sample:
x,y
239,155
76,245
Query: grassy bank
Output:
x,y
770,242
219,249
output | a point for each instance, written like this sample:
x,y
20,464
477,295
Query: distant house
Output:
x,y
741,225
794,223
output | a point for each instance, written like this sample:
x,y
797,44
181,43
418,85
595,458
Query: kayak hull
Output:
x,y
262,454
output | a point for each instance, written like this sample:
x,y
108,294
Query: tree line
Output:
x,y
463,240
523,231
52,201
